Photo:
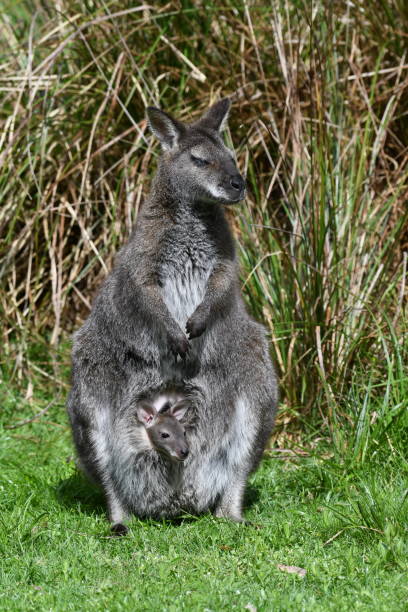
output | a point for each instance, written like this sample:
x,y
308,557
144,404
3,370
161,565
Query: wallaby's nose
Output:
x,y
237,182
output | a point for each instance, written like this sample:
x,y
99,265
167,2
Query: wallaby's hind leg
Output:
x,y
230,504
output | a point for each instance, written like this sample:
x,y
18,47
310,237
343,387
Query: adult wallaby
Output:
x,y
171,310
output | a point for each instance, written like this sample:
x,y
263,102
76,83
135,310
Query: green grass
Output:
x,y
346,526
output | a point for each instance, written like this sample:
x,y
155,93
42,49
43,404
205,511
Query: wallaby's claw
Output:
x,y
180,347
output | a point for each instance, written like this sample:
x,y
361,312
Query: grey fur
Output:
x,y
177,273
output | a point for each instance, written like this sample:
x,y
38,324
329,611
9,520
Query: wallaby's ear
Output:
x,y
217,115
146,413
164,127
179,409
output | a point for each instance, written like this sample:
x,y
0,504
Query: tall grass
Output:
x,y
320,127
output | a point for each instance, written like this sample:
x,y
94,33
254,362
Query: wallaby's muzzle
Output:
x,y
237,184
182,453
234,188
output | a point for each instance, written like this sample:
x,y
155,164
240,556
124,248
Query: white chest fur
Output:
x,y
183,289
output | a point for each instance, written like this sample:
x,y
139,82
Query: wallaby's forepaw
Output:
x,y
119,529
179,346
195,326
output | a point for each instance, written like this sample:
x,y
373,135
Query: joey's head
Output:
x,y
164,429
195,159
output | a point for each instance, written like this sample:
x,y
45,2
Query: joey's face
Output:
x,y
168,437
197,163
206,169
161,417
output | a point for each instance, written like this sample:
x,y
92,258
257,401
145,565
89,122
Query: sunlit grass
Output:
x,y
346,528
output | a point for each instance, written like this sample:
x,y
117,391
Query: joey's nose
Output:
x,y
184,452
237,182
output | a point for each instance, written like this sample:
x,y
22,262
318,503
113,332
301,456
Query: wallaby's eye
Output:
x,y
199,162
165,435
184,434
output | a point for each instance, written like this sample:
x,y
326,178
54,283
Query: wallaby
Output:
x,y
156,447
171,311
161,420
147,446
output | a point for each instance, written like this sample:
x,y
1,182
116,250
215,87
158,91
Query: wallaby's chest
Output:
x,y
187,260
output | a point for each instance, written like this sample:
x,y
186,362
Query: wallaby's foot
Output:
x,y
220,513
119,529
230,504
225,513
117,513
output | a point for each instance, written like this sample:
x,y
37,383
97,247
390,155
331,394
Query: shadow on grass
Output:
x,y
251,496
78,492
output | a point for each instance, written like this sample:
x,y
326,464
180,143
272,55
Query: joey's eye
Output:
x,y
199,162
164,435
184,434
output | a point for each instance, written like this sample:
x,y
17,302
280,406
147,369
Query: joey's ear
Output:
x,y
146,413
164,127
217,115
179,409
